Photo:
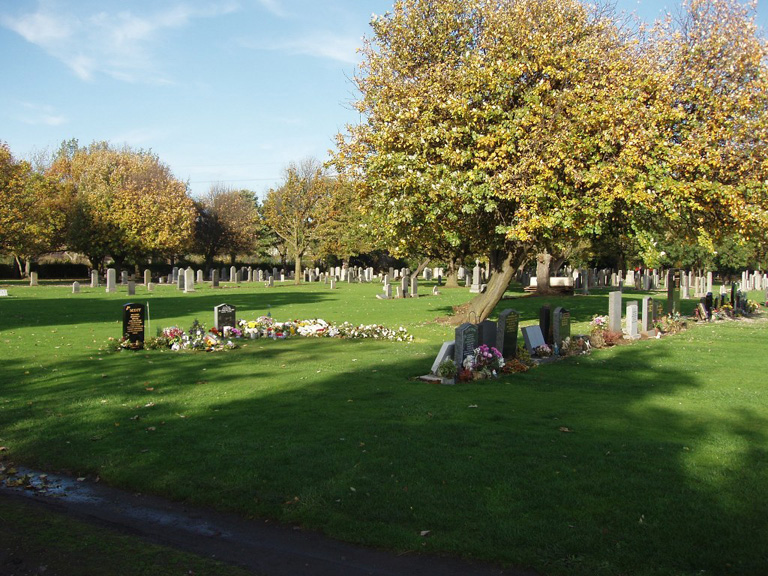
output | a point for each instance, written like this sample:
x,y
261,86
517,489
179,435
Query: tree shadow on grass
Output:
x,y
586,466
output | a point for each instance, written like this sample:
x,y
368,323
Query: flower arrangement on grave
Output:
x,y
485,362
198,338
575,346
671,323
543,351
520,363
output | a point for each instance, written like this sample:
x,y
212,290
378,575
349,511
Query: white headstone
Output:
x,y
632,331
75,287
111,279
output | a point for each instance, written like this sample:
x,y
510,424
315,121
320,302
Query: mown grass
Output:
x,y
642,459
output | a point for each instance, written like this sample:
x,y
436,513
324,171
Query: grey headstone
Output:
x,y
33,278
75,287
233,274
414,287
215,279
545,323
647,321
94,279
111,280
447,350
200,279
614,311
532,337
147,276
189,280
131,288
632,323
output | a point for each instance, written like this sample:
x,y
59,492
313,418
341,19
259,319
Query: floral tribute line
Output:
x,y
199,338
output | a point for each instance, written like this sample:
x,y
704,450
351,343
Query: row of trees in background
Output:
x,y
103,202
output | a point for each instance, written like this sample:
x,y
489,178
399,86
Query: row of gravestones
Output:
x,y
134,316
408,287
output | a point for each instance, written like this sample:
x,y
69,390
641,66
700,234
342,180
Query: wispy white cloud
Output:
x,y
274,6
119,44
319,45
40,114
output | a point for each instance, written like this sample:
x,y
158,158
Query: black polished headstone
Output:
x,y
487,332
561,326
133,324
506,333
545,323
224,315
466,341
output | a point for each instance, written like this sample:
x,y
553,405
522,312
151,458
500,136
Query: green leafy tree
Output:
x,y
295,209
228,222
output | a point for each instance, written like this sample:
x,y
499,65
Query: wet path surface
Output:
x,y
262,547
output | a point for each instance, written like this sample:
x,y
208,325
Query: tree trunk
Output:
x,y
297,270
420,268
453,274
543,263
481,306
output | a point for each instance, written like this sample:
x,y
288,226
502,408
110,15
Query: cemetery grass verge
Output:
x,y
641,459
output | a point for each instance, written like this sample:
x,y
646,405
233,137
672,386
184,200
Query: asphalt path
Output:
x,y
264,548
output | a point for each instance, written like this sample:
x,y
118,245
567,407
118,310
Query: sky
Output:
x,y
224,91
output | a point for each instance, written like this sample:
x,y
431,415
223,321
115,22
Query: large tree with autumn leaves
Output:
x,y
127,204
530,124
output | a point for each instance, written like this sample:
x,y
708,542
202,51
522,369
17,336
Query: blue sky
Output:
x,y
223,91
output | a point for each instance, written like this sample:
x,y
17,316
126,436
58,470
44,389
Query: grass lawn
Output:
x,y
647,458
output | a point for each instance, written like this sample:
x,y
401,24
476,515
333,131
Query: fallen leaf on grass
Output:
x,y
151,429
565,429
425,532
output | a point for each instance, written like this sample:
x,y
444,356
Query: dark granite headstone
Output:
x,y
466,341
561,326
733,295
708,304
545,323
133,324
506,333
215,279
487,332
224,315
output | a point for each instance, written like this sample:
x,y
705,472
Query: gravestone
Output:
x,y
224,315
150,286
147,276
387,292
75,287
123,277
111,280
180,284
133,324
175,272
506,333
447,350
709,281
672,293
414,287
465,343
648,319
131,288
467,281
233,274
561,326
3,292
94,278
632,324
475,288
545,323
404,286
260,275
189,280
614,311
200,278
333,283
215,279
584,275
435,291
271,282
487,333
33,278
709,304
533,338
399,292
